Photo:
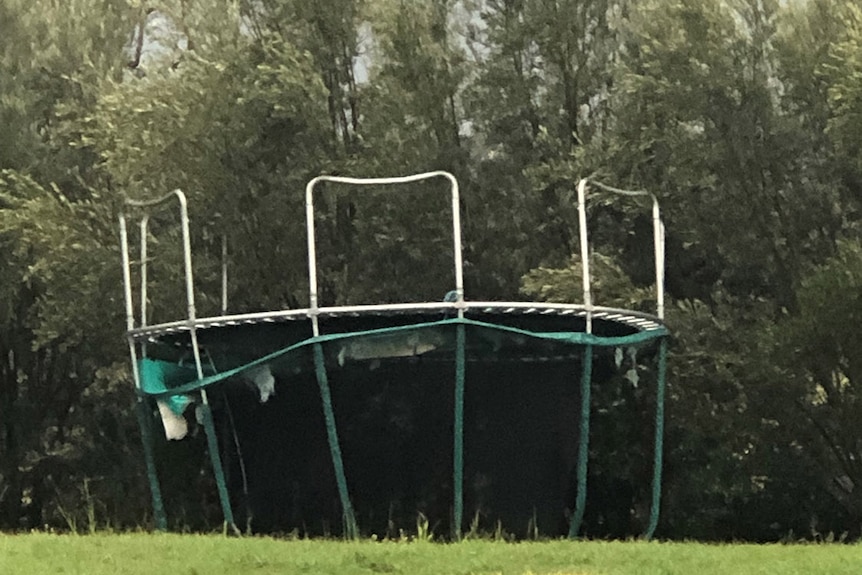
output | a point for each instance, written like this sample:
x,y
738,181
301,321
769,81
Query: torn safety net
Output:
x,y
173,385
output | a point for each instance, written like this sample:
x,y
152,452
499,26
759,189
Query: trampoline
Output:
x,y
336,412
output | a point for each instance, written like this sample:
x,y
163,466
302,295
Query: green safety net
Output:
x,y
171,382
161,377
164,379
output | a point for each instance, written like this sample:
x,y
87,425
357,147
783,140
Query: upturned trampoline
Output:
x,y
354,419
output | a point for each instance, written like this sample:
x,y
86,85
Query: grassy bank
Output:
x,y
149,554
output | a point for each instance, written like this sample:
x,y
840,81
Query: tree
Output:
x,y
53,342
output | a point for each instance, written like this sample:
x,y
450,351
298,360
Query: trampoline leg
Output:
x,y
583,442
659,440
145,423
218,471
350,529
458,432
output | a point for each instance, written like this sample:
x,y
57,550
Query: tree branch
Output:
x,y
139,41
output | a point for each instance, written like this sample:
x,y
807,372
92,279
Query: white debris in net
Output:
x,y
388,346
175,425
261,377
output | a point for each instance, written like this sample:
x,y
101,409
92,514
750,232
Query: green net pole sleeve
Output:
x,y
350,528
659,439
145,423
583,442
218,471
458,431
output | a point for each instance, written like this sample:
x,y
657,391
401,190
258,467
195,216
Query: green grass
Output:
x,y
155,554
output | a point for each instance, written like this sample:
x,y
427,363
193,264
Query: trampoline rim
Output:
x,y
640,321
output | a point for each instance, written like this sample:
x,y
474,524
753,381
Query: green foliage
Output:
x,y
821,369
609,285
842,69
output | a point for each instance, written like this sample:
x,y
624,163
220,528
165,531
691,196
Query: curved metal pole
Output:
x,y
659,249
187,264
312,252
658,235
141,409
209,428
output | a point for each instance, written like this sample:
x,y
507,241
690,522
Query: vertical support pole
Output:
x,y
146,425
144,231
350,529
659,439
312,252
458,432
583,442
456,242
190,287
585,252
140,403
658,242
218,471
190,300
209,428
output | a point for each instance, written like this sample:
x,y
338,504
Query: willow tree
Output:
x,y
53,339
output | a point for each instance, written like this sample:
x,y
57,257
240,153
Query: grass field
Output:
x,y
156,554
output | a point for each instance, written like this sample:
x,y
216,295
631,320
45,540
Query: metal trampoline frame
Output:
x,y
138,334
637,320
